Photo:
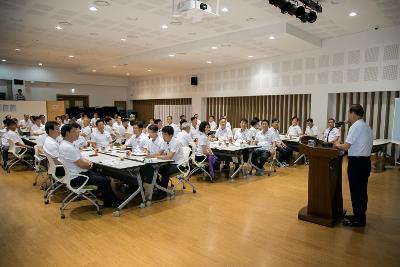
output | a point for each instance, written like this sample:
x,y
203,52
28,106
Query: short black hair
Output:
x,y
168,130
36,118
57,117
108,119
275,120
139,124
244,120
182,122
193,118
182,116
331,119
68,127
156,121
98,121
211,116
202,126
310,120
294,118
357,109
153,128
264,120
10,122
125,120
256,119
253,122
19,90
50,125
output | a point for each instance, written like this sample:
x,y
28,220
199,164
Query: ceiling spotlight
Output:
x,y
209,62
224,9
73,90
59,28
114,67
92,8
203,6
71,56
164,27
127,74
271,37
94,70
312,17
40,64
353,14
300,12
4,60
250,56
285,6
149,70
214,47
123,39
172,55
17,49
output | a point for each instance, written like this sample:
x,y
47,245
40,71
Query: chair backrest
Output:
x,y
12,147
193,155
53,167
186,153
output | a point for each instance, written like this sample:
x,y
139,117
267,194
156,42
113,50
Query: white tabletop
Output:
x,y
231,147
111,161
379,142
291,139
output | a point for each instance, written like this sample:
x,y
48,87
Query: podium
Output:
x,y
325,201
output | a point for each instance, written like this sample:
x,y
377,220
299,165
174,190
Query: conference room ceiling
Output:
x,y
240,35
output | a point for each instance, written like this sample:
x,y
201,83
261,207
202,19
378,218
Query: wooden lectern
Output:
x,y
325,201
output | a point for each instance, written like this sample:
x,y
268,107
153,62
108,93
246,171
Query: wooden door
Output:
x,y
70,101
54,108
120,105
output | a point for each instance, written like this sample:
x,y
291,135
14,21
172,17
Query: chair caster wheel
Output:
x,y
34,184
194,191
99,212
142,205
46,201
171,197
269,174
148,203
116,213
8,171
62,216
183,187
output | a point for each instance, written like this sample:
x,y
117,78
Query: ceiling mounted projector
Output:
x,y
195,10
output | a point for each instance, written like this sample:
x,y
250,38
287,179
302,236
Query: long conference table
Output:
x,y
117,164
235,152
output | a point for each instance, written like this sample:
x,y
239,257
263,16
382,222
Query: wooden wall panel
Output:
x,y
264,107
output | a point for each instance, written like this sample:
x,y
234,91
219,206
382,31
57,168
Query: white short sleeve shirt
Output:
x,y
154,146
242,135
275,135
224,134
138,143
184,138
264,139
51,147
361,139
202,141
294,130
68,155
313,131
331,134
101,139
176,147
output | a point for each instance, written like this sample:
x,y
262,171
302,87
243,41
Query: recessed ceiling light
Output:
x,y
251,19
94,70
92,8
127,74
224,9
209,62
40,64
149,70
250,56
17,49
123,39
114,67
164,27
172,55
4,60
271,37
71,56
353,14
59,28
73,90
214,47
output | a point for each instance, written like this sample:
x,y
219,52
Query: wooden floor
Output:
x,y
244,223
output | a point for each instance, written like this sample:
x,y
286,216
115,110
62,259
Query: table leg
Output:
x,y
136,173
154,184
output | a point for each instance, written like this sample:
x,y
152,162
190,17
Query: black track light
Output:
x,y
274,2
312,17
203,6
300,11
285,7
292,9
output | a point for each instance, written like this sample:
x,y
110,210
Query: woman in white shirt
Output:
x,y
203,148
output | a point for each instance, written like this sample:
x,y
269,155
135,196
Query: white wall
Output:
x,y
44,83
367,61
99,95
23,107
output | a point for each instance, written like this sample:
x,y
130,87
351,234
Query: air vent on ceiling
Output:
x,y
390,72
391,52
372,54
371,74
354,57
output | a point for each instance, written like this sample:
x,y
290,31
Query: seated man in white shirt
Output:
x,y
224,133
170,150
86,130
108,126
81,142
37,128
253,129
159,124
127,129
242,136
60,121
264,139
331,134
173,125
4,143
311,129
153,146
52,144
294,129
73,161
42,119
194,133
13,135
65,119
184,136
25,123
197,119
228,124
213,124
100,138
80,119
94,119
138,140
285,152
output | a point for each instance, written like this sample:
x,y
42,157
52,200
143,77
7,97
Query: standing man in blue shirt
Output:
x,y
359,146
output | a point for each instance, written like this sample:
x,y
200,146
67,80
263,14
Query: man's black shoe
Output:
x,y
353,223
